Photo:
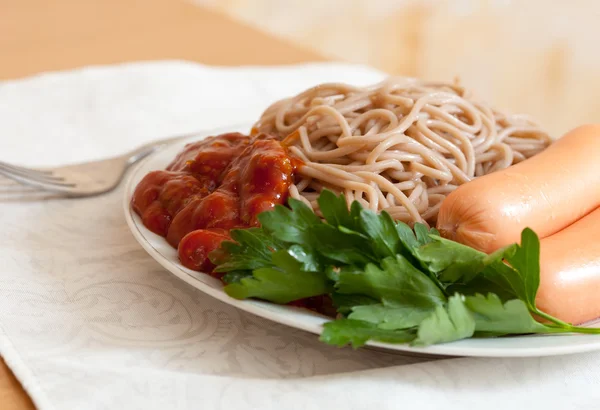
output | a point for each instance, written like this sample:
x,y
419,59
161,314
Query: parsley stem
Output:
x,y
588,330
552,328
551,318
559,324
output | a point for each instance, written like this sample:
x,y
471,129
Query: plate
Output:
x,y
163,253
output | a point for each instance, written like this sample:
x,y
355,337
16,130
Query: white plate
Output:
x,y
157,247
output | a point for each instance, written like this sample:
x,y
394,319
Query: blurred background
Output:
x,y
534,56
539,57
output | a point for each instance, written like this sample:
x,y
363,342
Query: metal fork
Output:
x,y
86,179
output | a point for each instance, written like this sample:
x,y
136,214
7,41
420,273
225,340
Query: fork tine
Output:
x,y
26,172
32,179
32,175
26,169
38,184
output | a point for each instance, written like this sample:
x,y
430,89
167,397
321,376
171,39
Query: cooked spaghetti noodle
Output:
x,y
402,145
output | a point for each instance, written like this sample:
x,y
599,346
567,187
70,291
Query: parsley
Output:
x,y
446,324
388,282
357,333
381,230
282,283
335,211
396,281
251,250
390,316
290,225
450,260
341,246
511,317
525,276
344,303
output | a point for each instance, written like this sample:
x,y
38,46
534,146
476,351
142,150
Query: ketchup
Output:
x,y
211,187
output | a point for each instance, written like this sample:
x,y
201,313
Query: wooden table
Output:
x,y
39,35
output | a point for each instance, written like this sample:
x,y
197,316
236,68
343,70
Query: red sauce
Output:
x,y
211,187
196,245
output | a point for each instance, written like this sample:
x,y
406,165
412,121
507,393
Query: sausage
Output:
x,y
546,193
570,271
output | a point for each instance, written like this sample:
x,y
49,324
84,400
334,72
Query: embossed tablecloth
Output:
x,y
89,321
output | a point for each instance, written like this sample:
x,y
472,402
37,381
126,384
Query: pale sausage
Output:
x,y
545,193
570,271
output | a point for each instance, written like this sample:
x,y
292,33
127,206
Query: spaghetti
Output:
x,y
402,145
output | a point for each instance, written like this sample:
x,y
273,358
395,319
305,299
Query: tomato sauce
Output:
x,y
211,187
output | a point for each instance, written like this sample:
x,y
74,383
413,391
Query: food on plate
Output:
x,y
570,271
161,195
388,282
546,193
194,248
402,145
365,173
221,182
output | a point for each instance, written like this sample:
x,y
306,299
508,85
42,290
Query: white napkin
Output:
x,y
89,321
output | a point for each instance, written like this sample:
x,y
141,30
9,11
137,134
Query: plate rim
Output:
x,y
261,309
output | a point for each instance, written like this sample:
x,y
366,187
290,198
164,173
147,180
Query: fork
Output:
x,y
85,179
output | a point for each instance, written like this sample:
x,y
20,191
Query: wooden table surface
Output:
x,y
39,35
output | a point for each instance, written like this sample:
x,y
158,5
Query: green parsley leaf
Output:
x,y
506,280
335,210
451,260
411,241
236,275
251,250
357,332
414,239
344,303
382,232
290,225
501,254
397,281
482,284
526,262
422,234
458,265
512,317
407,236
339,246
311,262
446,324
388,316
355,210
283,283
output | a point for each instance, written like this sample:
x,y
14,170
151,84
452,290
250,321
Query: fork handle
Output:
x,y
147,149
